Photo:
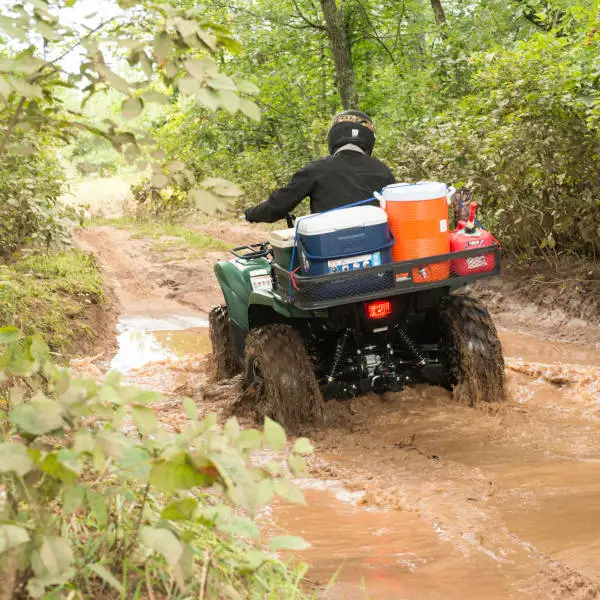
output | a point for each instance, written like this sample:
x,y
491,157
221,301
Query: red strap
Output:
x,y
294,279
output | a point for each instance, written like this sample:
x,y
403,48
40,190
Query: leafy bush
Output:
x,y
29,212
89,508
525,141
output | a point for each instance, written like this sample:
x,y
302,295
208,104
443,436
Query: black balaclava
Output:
x,y
351,127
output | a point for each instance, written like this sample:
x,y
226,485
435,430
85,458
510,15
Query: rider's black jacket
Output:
x,y
337,180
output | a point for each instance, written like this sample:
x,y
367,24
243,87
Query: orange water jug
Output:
x,y
418,219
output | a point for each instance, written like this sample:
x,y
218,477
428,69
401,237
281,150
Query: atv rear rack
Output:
x,y
391,279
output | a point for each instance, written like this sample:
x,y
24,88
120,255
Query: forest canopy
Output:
x,y
497,97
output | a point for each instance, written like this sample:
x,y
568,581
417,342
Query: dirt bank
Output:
x,y
411,494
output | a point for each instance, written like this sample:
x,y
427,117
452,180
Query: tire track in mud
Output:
x,y
504,495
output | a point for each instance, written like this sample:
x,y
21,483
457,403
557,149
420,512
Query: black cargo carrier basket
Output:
x,y
391,279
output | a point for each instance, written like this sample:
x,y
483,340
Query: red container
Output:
x,y
461,240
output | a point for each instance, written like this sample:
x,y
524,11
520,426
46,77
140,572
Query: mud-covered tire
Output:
x,y
474,360
224,358
279,378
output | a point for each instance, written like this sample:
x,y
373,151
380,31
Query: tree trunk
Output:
x,y
341,55
438,11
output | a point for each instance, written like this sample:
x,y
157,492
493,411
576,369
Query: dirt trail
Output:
x,y
411,494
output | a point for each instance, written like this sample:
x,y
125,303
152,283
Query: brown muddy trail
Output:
x,y
411,495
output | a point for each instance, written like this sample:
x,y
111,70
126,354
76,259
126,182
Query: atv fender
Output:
x,y
234,277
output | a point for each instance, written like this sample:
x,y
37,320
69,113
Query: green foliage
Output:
x,y
88,507
525,141
148,52
51,293
29,214
501,100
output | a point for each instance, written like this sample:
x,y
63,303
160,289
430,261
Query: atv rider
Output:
x,y
350,174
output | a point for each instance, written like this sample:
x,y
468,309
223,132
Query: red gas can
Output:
x,y
468,237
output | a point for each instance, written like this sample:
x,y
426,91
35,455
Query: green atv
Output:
x,y
298,339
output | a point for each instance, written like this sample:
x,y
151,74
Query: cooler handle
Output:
x,y
450,194
351,254
381,199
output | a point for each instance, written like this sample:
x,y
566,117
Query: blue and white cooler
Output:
x,y
344,240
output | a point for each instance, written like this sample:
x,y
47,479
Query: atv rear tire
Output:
x,y
474,361
279,378
225,361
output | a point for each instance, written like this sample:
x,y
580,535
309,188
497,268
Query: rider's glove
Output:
x,y
248,215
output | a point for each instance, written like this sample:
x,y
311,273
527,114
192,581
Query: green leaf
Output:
x,y
54,559
303,446
288,542
14,457
97,505
222,187
131,108
231,429
240,526
188,85
246,87
178,473
296,464
288,491
180,510
222,82
106,576
9,335
229,100
250,109
118,83
265,492
144,419
26,89
190,408
41,415
196,68
39,349
159,180
208,98
209,40
164,542
12,536
205,201
162,46
241,486
274,435
155,97
73,497
249,439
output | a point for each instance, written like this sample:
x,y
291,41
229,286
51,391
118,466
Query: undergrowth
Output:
x,y
50,293
90,508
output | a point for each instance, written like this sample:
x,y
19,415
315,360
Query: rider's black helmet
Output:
x,y
351,127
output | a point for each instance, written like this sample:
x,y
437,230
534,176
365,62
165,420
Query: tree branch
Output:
x,y
375,34
12,124
306,19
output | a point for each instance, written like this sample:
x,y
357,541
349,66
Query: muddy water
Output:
x,y
414,496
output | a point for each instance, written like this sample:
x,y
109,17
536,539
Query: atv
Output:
x,y
298,339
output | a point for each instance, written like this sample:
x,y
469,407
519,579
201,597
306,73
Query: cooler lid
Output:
x,y
343,218
423,190
283,238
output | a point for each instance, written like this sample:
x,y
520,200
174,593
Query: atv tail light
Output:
x,y
379,309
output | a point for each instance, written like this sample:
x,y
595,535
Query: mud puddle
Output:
x,y
143,340
528,347
360,553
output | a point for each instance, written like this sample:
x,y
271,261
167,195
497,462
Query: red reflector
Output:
x,y
379,309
